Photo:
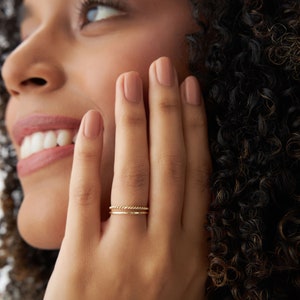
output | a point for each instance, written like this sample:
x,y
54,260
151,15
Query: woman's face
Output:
x,y
71,55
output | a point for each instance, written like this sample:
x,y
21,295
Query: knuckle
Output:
x,y
195,122
136,176
160,270
133,120
173,166
83,196
167,105
200,176
86,154
200,173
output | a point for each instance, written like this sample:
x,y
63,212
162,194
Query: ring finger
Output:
x,y
131,171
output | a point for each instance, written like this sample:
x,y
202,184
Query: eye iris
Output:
x,y
92,14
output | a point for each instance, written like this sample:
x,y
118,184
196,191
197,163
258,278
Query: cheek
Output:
x,y
132,51
144,48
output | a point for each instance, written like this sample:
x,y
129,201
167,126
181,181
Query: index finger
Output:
x,y
83,217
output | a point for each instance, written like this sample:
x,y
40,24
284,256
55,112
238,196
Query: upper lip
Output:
x,y
42,122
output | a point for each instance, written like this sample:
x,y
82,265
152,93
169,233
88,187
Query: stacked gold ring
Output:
x,y
128,210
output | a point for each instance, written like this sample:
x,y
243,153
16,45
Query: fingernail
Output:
x,y
192,91
133,87
92,124
165,72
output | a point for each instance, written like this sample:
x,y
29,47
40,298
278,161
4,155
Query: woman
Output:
x,y
99,62
253,248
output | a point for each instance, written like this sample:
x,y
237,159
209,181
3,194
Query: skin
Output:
x,y
168,170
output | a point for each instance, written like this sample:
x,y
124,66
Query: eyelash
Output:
x,y
87,4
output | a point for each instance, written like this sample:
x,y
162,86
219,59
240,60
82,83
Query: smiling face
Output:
x,y
71,55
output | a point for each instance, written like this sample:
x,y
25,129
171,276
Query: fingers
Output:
x,y
131,172
83,218
197,191
167,151
175,186
179,153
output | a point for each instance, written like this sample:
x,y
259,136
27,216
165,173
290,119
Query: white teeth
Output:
x,y
25,148
39,141
50,140
64,137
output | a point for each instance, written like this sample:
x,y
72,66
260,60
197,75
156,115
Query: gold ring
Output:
x,y
128,210
129,213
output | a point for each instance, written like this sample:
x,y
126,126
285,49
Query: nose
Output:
x,y
33,67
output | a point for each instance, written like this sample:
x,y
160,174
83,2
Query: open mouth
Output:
x,y
43,140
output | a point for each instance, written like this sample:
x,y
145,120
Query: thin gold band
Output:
x,y
128,210
123,207
129,213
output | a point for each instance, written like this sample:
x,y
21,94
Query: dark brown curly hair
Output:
x,y
254,111
247,56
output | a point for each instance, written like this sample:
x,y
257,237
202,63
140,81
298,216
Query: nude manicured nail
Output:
x,y
192,91
92,124
165,72
133,87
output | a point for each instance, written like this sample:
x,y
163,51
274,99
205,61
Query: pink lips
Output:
x,y
38,123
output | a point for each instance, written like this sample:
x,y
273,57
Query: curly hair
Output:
x,y
247,57
254,117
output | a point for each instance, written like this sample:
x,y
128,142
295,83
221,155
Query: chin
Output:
x,y
41,228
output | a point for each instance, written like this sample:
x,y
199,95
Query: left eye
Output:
x,y
100,12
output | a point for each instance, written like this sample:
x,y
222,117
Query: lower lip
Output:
x,y
42,159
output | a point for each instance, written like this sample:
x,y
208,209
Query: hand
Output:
x,y
164,163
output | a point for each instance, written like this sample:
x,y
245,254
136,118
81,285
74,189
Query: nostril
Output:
x,y
38,81
14,92
34,81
